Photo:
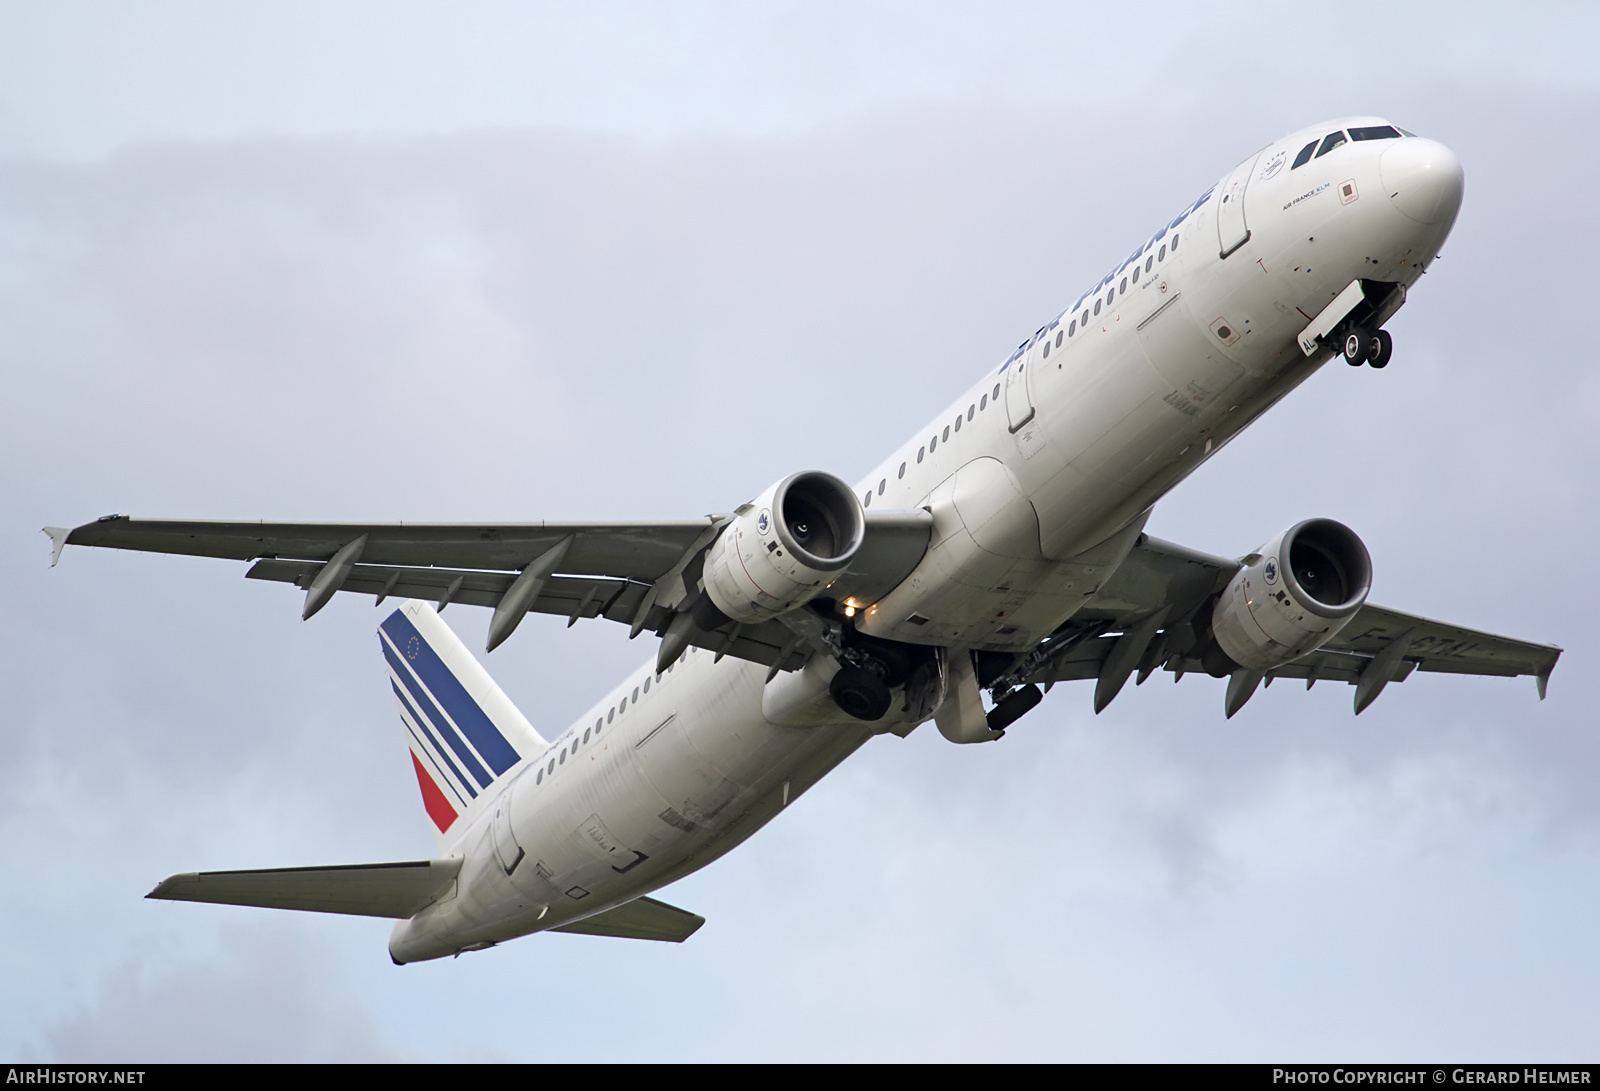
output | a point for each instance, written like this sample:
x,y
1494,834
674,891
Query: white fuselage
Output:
x,y
1039,478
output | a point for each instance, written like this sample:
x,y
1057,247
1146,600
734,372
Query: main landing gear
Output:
x,y
1366,346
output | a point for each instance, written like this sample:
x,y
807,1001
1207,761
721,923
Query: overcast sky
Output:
x,y
638,261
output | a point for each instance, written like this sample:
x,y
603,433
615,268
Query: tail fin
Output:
x,y
464,732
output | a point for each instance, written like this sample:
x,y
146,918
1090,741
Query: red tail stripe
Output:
x,y
433,799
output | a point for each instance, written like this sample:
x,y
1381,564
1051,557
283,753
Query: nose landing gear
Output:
x,y
1367,346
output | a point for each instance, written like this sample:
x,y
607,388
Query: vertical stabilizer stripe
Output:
x,y
438,806
436,747
436,719
420,751
447,688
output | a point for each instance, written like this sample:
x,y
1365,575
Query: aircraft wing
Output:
x,y
365,890
1379,645
634,573
642,918
639,550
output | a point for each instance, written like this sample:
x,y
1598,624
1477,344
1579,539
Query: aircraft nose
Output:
x,y
1423,178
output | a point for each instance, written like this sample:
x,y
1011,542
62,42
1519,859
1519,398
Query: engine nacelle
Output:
x,y
1296,593
784,547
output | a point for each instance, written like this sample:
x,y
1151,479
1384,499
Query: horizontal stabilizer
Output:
x,y
642,918
364,890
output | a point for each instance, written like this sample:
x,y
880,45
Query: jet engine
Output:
x,y
784,547
1291,596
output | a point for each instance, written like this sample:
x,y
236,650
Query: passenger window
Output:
x,y
1097,306
1112,294
882,484
1059,335
933,445
958,422
552,768
597,724
647,685
1072,328
866,501
611,714
635,694
902,469
563,758
585,736
1305,155
539,779
996,394
1046,349
1174,244
1085,320
1123,287
1163,255
946,436
1150,261
983,403
973,409
920,452
1330,142
1375,132
1136,274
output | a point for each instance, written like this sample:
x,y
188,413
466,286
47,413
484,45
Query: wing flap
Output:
x,y
564,596
642,918
396,890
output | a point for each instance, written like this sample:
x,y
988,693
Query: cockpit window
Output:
x,y
1330,142
1305,155
1375,132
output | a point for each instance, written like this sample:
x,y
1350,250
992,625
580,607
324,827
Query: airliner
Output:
x,y
996,552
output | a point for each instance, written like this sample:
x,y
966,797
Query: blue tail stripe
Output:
x,y
431,713
425,755
437,747
472,720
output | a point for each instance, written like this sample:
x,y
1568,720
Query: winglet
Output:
x,y
58,542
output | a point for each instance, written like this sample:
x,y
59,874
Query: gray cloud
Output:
x,y
260,998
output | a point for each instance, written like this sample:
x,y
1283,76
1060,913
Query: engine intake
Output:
x,y
1293,595
784,547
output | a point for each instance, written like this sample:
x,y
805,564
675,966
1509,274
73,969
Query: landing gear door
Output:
x,y
1232,230
1019,406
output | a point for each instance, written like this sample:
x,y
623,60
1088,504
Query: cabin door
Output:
x,y
1019,404
1232,230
